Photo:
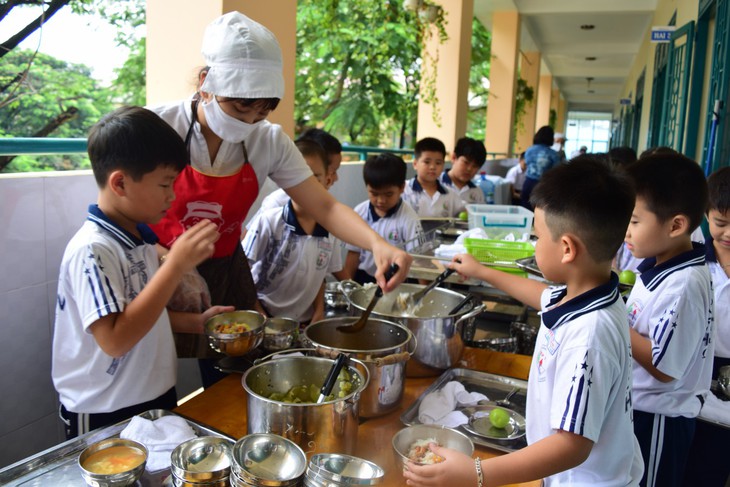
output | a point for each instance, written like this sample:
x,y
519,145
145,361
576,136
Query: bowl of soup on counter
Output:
x,y
113,462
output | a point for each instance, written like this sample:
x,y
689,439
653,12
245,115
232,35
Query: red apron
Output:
x,y
224,200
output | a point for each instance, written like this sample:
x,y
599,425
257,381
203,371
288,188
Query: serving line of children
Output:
x,y
578,395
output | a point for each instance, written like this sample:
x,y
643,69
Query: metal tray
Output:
x,y
495,387
58,466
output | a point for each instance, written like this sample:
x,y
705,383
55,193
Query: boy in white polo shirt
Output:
x,y
670,311
426,195
466,160
113,351
385,212
290,253
579,429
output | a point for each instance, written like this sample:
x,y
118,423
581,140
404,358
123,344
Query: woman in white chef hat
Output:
x,y
233,148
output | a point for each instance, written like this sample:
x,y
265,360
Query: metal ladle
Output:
x,y
363,320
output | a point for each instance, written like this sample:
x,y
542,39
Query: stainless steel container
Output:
x,y
266,459
383,346
203,461
316,428
439,334
334,296
335,470
526,336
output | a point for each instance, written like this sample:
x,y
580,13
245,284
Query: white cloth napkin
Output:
x,y
439,406
160,436
716,409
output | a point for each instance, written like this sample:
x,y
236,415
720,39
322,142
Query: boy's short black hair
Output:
x,y
136,141
473,150
718,188
310,148
429,144
589,198
544,136
622,156
671,184
383,170
328,141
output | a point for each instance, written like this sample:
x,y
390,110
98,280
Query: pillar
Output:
x,y
175,34
447,120
503,82
530,72
544,93
561,123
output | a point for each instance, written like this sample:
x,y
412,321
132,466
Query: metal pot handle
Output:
x,y
471,314
275,355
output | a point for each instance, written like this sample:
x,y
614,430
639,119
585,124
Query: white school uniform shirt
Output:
x,y
444,203
470,193
672,305
516,176
721,286
275,199
399,227
103,269
288,266
271,152
580,382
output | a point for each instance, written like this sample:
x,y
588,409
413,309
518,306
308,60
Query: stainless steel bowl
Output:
x,y
268,459
280,333
404,439
236,344
202,460
127,477
331,468
334,297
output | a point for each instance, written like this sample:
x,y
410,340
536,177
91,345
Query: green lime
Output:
x,y
463,216
499,418
627,277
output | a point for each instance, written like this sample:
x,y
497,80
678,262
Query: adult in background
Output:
x,y
233,148
539,157
558,146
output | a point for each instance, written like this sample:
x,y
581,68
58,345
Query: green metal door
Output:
x,y
716,149
677,87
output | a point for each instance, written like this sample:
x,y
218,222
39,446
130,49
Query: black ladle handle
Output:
x,y
461,304
329,382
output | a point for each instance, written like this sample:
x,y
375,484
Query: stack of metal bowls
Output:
x,y
267,460
201,462
332,469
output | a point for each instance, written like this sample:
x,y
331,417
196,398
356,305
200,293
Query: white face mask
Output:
x,y
225,126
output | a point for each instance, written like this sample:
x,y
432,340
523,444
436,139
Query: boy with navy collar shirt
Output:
x,y
579,428
385,212
113,351
670,311
426,195
291,254
466,160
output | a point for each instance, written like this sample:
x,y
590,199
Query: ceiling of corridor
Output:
x,y
553,27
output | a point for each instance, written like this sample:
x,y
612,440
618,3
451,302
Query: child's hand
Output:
x,y
211,312
194,246
456,469
466,265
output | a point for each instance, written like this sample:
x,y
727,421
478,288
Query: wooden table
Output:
x,y
224,407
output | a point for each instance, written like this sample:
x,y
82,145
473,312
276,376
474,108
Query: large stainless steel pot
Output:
x,y
383,346
439,335
317,428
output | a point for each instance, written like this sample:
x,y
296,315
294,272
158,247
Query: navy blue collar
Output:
x,y
447,180
290,220
597,298
652,275
418,188
710,255
375,217
121,235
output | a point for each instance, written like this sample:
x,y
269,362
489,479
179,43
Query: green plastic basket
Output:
x,y
499,251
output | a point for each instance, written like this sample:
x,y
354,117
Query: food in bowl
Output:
x,y
420,452
114,460
231,328
423,434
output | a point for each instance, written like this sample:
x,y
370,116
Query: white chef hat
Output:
x,y
244,59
